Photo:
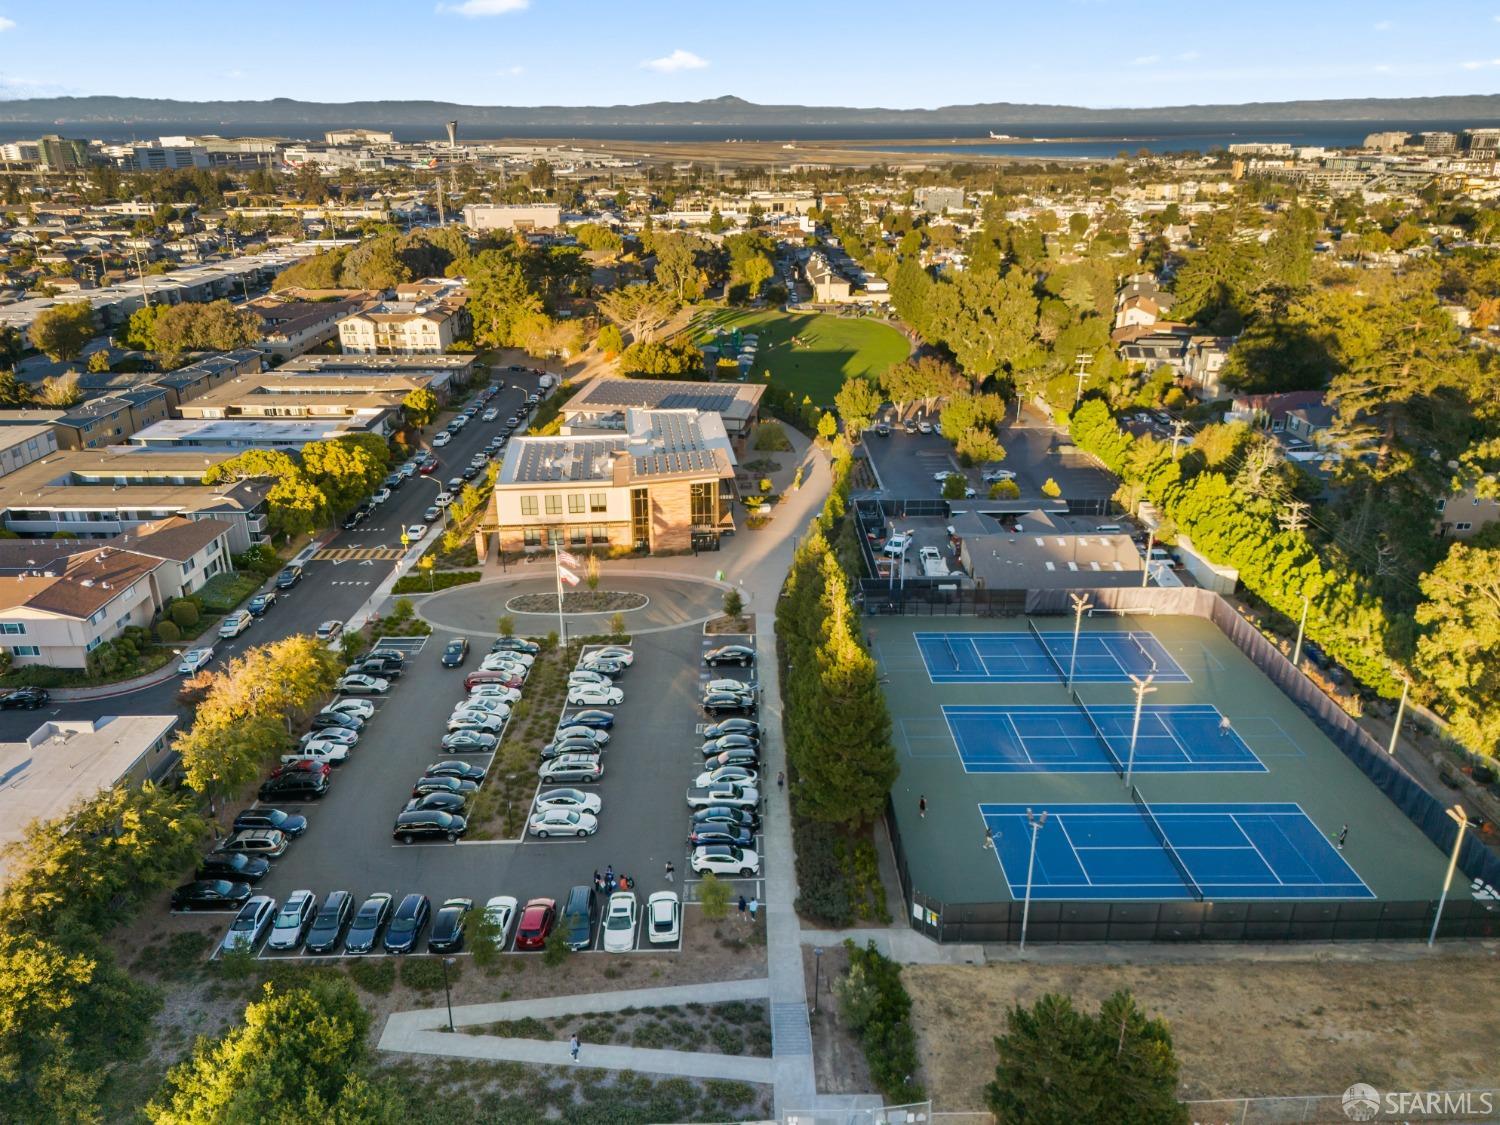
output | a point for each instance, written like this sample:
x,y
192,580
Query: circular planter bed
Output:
x,y
578,601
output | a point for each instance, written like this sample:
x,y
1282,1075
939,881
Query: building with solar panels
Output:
x,y
624,477
602,403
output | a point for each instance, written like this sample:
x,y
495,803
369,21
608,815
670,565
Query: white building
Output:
x,y
512,216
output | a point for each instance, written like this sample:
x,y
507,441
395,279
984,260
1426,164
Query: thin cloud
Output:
x,y
486,7
1479,64
1145,60
7,24
677,60
1189,56
1384,25
510,71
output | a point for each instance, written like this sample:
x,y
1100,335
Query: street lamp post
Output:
x,y
1301,630
1036,823
817,974
1400,714
447,993
1080,606
1458,814
1143,688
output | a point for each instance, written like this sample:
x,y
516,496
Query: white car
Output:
x,y
318,750
619,923
441,438
739,775
487,705
500,912
562,822
594,695
575,800
444,499
332,734
726,859
941,477
357,684
584,676
616,653
991,476
194,659
525,659
416,531
359,708
475,720
924,427
507,695
248,925
663,918
235,624
898,544
380,496
330,630
292,922
502,662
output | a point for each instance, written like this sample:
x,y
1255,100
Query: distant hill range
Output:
x,y
726,111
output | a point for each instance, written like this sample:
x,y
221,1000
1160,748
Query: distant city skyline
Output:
x,y
585,52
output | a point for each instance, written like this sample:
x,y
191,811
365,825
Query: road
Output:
x,y
328,590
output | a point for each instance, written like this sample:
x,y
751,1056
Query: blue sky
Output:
x,y
877,52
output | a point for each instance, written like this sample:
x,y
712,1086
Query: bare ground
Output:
x,y
839,1059
1241,1028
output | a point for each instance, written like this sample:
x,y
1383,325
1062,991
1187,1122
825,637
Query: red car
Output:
x,y
427,468
307,764
537,920
505,679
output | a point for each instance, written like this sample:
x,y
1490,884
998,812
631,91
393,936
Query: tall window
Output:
x,y
640,518
703,503
575,503
598,502
528,505
533,536
554,504
599,533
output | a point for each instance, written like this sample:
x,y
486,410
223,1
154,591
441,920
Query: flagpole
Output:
x,y
562,626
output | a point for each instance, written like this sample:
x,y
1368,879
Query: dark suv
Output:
x,y
288,824
580,913
428,824
28,697
308,784
332,920
407,924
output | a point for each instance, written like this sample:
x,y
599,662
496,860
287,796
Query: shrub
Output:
x,y
507,625
376,977
556,951
435,580
823,890
1051,488
402,609
734,604
1005,490
765,484
166,632
770,437
617,627
425,974
876,1007
260,558
184,613
728,1039
713,894
953,486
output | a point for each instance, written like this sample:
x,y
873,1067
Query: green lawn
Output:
x,y
831,348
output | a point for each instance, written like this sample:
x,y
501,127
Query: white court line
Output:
x,y
1074,849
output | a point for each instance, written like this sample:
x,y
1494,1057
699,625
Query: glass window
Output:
x,y
579,536
27,650
554,504
93,644
528,505
575,503
702,496
533,536
12,628
599,533
598,502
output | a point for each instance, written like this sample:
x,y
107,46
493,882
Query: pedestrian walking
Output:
x,y
781,779
598,880
670,871
754,906
743,904
1343,835
922,806
573,1046
989,838
1224,727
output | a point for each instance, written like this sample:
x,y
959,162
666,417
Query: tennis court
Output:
x,y
1035,657
1131,851
1173,738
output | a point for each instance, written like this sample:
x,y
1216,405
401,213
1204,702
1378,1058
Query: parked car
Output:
x,y
469,719
369,920
235,624
292,920
600,720
516,644
406,925
357,683
619,923
726,859
720,834
562,822
728,703
259,605
578,730
579,677
727,793
438,802
236,868
194,659
210,894
742,655
594,695
469,742
726,814
441,438
572,767
484,705
579,917
610,669
561,746
322,750
375,668
727,742
294,783
416,532
432,514
427,824
663,918
289,577
361,709
251,922
455,652
507,695
618,653
749,758
310,765
449,924
738,775
500,913
262,816
265,842
332,919
537,919
993,476
380,496
506,679
427,785
572,799
336,720
898,544
455,769
27,698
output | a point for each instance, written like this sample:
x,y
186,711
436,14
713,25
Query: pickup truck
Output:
x,y
318,750
725,793
933,565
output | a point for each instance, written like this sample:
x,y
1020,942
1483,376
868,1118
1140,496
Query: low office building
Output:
x,y
235,435
602,404
404,328
512,216
369,403
1044,551
65,761
442,373
97,495
21,445
665,483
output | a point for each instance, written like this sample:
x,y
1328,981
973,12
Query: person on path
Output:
x,y
1224,727
742,904
754,906
922,806
598,880
573,1046
781,779
1342,836
670,871
989,838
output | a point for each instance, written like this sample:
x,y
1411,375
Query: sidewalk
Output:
x,y
123,687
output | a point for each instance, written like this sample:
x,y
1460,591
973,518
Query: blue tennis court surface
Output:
x,y
1111,852
1019,658
1022,739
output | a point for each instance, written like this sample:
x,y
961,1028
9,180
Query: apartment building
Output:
x,y
192,380
404,328
665,483
442,373
112,419
1463,516
21,445
289,328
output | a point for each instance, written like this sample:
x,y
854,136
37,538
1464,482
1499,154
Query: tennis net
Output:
x,y
1155,825
1109,751
1057,664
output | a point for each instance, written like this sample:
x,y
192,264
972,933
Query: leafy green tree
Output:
x,y
215,326
12,344
671,357
60,391
597,237
140,330
502,299
62,331
828,426
420,406
640,309
13,392
344,472
954,486
1059,1065
713,897
610,340
98,362
1459,651
1051,488
857,401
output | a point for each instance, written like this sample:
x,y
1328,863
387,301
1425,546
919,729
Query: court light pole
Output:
x,y
1301,631
1081,605
1035,822
1458,814
1400,714
1150,543
1143,688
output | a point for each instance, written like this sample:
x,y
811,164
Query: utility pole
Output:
x,y
1178,426
1143,688
1150,543
1293,515
1301,631
1083,359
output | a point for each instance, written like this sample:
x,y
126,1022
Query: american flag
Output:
x,y
566,559
567,576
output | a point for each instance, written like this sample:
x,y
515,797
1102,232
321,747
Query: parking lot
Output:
x,y
652,757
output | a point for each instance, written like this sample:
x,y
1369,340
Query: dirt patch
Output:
x,y
743,625
1241,1028
839,1059
734,1027
578,601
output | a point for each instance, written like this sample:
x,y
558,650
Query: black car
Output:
x,y
462,770
261,603
728,703
407,924
210,894
391,663
748,727
726,814
427,824
448,926
234,867
288,824
29,698
332,919
354,519
593,717
336,720
308,784
456,652
516,644
729,742
611,668
427,785
364,932
394,481
439,802
469,742
745,757
289,577
569,746
469,473
729,654
721,832
375,667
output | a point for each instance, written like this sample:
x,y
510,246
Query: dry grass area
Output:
x,y
742,625
1241,1028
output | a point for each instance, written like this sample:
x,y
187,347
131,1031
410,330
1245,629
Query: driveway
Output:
x,y
475,609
